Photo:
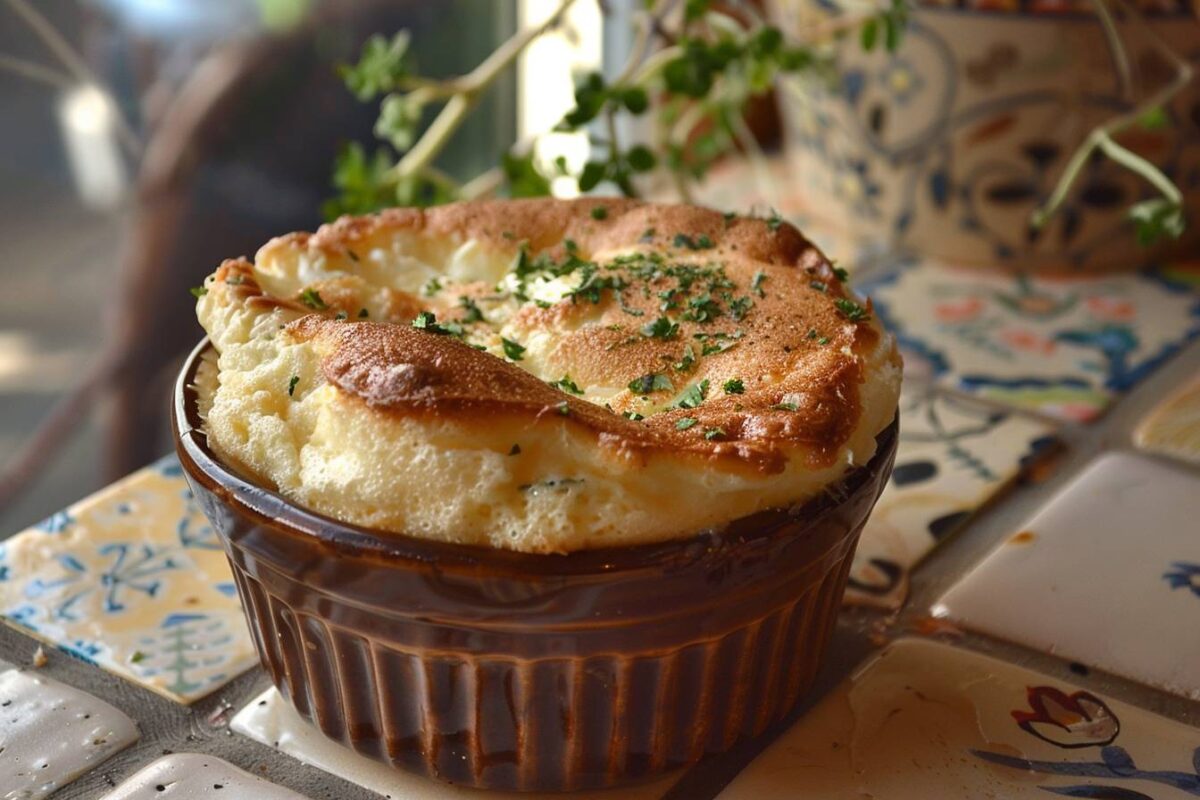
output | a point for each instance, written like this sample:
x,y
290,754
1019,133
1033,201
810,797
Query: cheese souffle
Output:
x,y
544,376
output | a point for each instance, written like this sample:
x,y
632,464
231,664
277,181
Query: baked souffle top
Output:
x,y
544,375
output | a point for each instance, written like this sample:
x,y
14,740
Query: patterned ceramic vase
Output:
x,y
947,145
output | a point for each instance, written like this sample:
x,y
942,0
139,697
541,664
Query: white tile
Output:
x,y
926,721
271,720
954,455
193,776
51,733
1107,573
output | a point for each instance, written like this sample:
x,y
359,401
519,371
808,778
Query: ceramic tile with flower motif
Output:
x,y
1173,428
271,720
954,455
132,579
193,776
1064,347
1107,574
51,733
925,720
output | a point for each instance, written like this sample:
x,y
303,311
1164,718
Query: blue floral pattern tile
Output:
x,y
955,454
1063,347
925,720
1116,558
132,579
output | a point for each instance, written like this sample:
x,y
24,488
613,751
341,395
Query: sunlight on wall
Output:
x,y
89,136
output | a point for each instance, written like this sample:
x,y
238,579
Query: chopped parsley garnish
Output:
x,y
702,309
651,382
599,212
137,657
647,235
739,307
515,450
363,313
729,217
757,282
633,415
661,328
785,406
431,287
734,386
564,409
774,221
312,298
714,433
852,310
594,284
292,385
340,315
841,274
198,291
427,321
694,395
701,242
353,255
820,286
473,313
512,349
685,423
567,385
570,246
823,340
688,360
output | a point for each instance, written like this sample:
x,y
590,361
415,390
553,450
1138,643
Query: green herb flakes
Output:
x,y
198,291
694,395
685,423
756,283
852,310
651,382
473,314
567,385
292,385
714,433
734,386
312,298
661,328
785,407
599,212
512,350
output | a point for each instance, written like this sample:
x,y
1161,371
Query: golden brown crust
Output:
x,y
797,354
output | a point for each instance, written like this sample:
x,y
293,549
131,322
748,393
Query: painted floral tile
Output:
x,y
954,455
192,776
1173,428
1064,347
51,733
1107,574
132,579
269,719
926,720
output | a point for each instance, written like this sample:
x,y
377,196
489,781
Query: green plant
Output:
x,y
692,70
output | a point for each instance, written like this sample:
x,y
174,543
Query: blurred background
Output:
x,y
229,115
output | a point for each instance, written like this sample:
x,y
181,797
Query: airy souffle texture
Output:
x,y
544,376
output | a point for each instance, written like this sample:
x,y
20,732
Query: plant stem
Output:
x,y
1101,138
74,63
36,72
470,89
1115,47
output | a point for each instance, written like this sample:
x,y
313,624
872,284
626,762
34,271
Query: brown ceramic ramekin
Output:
x,y
508,670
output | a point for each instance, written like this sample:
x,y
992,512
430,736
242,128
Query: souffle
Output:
x,y
544,376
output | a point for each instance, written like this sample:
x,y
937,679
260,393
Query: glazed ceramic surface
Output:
x,y
947,145
1106,574
192,776
270,719
924,720
51,733
133,579
954,456
1061,347
1173,428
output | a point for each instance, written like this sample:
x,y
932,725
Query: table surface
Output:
x,y
167,725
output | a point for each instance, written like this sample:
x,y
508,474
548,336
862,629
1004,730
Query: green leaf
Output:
x,y
1157,218
640,158
694,395
869,34
684,423
661,328
362,182
524,178
1155,119
399,117
852,310
651,382
198,291
312,298
734,386
382,65
593,173
636,100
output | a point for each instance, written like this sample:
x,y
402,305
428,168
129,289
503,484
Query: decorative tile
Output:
x,y
1173,428
132,579
50,734
925,720
271,720
1107,573
192,776
954,455
1063,347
